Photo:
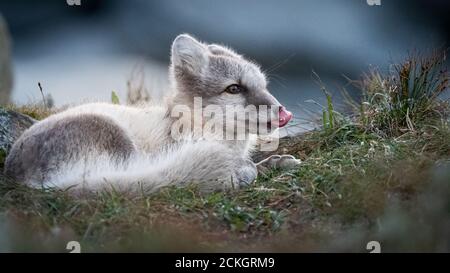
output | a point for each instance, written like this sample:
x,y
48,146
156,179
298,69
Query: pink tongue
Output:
x,y
284,117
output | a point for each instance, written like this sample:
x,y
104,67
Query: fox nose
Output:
x,y
284,116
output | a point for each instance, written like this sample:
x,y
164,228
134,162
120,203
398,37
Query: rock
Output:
x,y
5,63
12,125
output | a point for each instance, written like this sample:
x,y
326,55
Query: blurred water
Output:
x,y
81,67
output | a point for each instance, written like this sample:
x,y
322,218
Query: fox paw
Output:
x,y
245,173
283,162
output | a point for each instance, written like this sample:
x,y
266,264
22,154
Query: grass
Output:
x,y
379,173
36,111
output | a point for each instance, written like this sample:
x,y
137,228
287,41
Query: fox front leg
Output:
x,y
283,162
246,172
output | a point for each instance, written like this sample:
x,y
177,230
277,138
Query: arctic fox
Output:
x,y
96,145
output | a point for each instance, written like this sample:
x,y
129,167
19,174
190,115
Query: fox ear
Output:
x,y
188,53
222,50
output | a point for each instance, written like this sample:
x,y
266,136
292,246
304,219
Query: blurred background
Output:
x,y
82,53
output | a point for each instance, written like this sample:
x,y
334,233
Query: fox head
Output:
x,y
220,76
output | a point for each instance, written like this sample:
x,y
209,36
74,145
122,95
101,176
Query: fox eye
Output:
x,y
235,89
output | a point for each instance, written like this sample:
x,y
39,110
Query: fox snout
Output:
x,y
278,114
284,116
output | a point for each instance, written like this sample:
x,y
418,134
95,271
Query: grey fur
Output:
x,y
43,148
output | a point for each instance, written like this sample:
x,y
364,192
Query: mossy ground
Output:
x,y
381,173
